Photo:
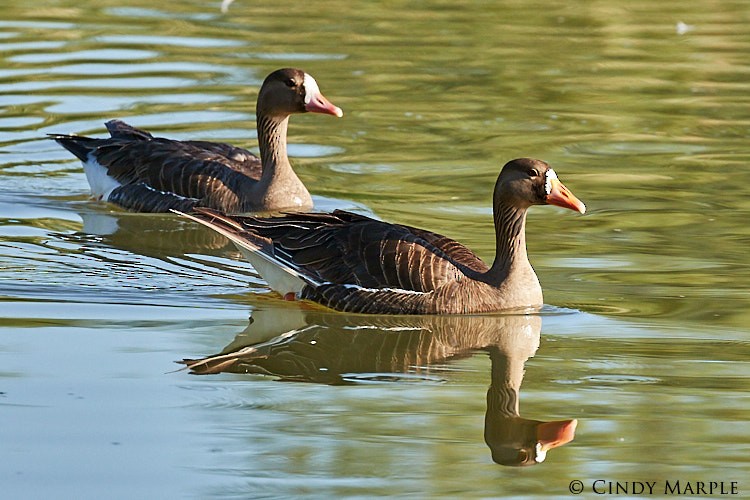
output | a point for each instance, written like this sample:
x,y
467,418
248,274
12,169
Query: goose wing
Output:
x,y
457,252
344,248
238,159
121,130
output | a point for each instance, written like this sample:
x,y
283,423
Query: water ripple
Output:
x,y
177,41
129,83
99,54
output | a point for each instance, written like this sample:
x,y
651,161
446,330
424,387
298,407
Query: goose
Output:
x,y
143,173
353,263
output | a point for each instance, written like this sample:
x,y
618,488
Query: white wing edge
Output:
x,y
278,274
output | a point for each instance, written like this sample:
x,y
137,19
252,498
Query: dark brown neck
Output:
x,y
510,244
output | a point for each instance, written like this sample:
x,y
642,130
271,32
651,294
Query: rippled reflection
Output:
x,y
648,119
329,348
158,235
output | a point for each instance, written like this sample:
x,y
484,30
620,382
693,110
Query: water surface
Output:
x,y
643,110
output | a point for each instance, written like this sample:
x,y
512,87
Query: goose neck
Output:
x,y
272,141
510,243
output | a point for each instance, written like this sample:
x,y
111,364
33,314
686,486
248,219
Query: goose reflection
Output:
x,y
150,234
329,348
515,440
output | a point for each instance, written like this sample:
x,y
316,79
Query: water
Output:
x,y
641,108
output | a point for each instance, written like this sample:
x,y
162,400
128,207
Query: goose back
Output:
x,y
353,263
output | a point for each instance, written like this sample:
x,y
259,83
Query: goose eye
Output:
x,y
534,172
290,83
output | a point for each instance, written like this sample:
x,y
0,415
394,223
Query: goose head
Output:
x,y
289,90
517,441
524,182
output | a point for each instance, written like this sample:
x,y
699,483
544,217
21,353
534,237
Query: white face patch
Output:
x,y
548,176
311,88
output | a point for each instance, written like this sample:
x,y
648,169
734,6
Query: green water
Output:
x,y
641,107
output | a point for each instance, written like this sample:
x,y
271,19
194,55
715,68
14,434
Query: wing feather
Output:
x,y
351,249
457,252
213,173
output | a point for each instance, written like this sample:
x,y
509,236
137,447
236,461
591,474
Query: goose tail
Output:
x,y
259,251
81,146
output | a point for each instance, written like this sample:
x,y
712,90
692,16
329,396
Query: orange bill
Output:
x,y
559,195
317,103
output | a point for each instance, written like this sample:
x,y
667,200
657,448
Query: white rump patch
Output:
x,y
101,183
311,88
548,176
225,6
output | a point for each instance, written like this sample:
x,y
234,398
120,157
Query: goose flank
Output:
x,y
143,173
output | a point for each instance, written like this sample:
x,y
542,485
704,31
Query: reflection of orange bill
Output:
x,y
553,434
